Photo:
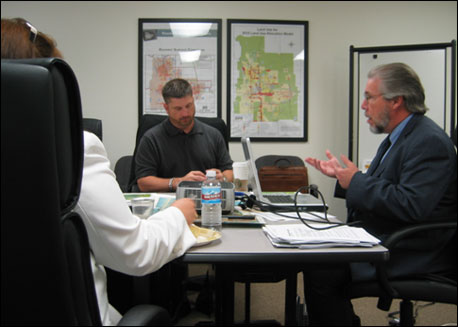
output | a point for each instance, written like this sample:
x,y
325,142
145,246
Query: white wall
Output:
x,y
100,41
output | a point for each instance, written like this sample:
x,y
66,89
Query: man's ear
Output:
x,y
398,102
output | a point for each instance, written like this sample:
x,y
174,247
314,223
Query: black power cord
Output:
x,y
313,189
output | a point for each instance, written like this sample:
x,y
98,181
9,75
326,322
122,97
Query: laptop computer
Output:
x,y
276,201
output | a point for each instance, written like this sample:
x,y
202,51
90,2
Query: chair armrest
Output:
x,y
390,243
394,238
145,315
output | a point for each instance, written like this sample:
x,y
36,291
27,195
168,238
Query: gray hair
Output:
x,y
176,88
398,79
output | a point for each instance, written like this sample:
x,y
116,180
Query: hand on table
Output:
x,y
188,208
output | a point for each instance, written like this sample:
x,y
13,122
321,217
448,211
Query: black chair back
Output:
x,y
122,172
93,125
46,276
278,161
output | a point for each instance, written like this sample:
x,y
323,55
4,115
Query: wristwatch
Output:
x,y
171,184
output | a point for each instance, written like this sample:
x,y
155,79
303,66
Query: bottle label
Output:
x,y
211,195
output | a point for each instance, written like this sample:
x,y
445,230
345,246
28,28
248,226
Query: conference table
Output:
x,y
245,249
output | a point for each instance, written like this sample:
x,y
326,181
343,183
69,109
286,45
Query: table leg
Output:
x,y
290,299
224,295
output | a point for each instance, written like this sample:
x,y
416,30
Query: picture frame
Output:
x,y
267,80
180,48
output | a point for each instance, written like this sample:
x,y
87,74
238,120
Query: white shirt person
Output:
x,y
118,239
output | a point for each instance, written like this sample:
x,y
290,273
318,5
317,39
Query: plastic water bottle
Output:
x,y
211,202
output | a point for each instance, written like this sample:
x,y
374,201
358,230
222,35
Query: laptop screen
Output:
x,y
253,179
305,201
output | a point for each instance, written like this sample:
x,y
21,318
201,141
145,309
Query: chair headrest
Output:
x,y
42,105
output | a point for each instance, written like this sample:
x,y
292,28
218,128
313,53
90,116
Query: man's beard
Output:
x,y
186,122
380,126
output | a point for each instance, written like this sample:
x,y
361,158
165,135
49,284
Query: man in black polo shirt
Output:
x,y
181,148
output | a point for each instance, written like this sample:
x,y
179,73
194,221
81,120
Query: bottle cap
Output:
x,y
211,173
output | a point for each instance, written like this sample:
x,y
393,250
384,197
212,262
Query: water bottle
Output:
x,y
211,202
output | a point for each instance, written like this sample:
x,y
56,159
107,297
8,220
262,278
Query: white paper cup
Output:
x,y
240,170
142,207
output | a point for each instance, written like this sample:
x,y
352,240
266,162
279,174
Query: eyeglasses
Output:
x,y
369,97
33,32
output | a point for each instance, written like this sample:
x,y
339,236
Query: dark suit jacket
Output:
x,y
415,183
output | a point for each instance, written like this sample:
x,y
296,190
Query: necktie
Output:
x,y
384,146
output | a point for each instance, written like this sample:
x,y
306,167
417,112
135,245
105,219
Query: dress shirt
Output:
x,y
394,135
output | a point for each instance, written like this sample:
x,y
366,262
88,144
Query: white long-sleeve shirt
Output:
x,y
117,238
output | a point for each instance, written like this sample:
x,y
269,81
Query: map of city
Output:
x,y
163,68
266,85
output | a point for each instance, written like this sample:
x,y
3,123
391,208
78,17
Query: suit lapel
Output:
x,y
376,168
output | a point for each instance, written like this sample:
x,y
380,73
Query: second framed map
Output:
x,y
267,80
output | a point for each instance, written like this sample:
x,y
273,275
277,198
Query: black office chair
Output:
x,y
439,288
278,160
122,172
281,173
46,275
93,125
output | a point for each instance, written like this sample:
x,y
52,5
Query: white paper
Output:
x,y
295,235
315,245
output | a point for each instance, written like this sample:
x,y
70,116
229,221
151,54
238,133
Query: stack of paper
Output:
x,y
301,236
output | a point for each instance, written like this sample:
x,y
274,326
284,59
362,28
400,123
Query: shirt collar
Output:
x,y
398,129
173,131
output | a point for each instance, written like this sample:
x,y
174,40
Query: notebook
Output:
x,y
279,201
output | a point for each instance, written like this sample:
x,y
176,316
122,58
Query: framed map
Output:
x,y
180,48
267,80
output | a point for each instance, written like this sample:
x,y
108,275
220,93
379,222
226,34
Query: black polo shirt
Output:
x,y
166,151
